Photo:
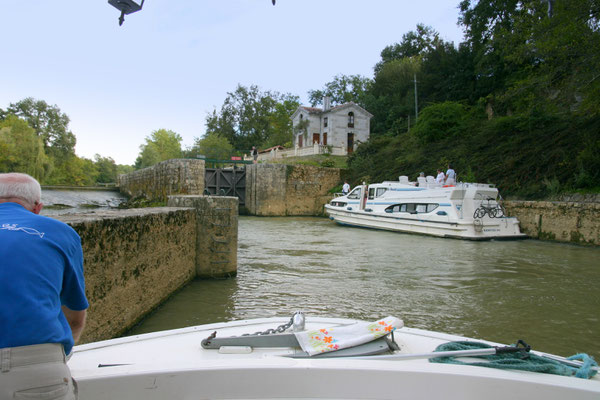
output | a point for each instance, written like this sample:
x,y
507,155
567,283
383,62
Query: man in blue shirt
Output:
x,y
42,294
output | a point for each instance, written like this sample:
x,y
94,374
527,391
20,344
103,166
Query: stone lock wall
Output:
x,y
177,176
135,259
573,222
278,189
217,233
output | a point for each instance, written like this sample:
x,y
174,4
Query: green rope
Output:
x,y
532,362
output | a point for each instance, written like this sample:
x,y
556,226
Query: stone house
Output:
x,y
341,127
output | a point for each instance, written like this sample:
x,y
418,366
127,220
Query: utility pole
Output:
x,y
416,103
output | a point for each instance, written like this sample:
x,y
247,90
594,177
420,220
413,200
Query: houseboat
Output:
x,y
464,210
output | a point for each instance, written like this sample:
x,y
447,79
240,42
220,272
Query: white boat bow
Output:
x,y
174,365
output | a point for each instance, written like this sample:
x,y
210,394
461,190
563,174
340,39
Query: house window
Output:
x,y
350,119
325,122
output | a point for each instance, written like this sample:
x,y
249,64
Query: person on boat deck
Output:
x,y
345,188
421,175
450,176
42,295
441,177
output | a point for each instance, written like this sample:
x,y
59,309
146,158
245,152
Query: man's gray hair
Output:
x,y
23,186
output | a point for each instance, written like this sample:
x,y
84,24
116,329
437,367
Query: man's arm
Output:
x,y
76,320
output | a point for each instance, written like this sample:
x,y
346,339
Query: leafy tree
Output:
x,y
414,43
212,145
107,169
441,121
73,170
49,123
281,123
161,145
343,89
249,117
393,96
21,150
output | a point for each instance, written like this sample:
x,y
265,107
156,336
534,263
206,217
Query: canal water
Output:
x,y
65,201
544,293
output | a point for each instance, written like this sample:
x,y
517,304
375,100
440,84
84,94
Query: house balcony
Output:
x,y
315,149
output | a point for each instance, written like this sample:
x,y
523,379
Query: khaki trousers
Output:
x,y
35,372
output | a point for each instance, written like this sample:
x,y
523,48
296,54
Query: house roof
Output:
x,y
316,110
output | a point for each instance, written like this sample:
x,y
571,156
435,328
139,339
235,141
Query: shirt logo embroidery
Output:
x,y
29,231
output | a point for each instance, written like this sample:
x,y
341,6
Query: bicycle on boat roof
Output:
x,y
492,208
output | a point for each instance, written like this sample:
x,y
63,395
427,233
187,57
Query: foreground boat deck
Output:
x,y
173,365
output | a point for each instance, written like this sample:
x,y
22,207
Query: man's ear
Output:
x,y
37,208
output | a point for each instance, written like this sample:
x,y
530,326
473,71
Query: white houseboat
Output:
x,y
465,210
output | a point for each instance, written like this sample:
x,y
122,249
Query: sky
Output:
x,y
173,63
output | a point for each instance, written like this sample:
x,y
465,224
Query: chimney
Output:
x,y
326,103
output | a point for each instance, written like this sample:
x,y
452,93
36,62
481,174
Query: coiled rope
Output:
x,y
528,362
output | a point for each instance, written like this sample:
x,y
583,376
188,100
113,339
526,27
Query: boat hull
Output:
x,y
504,228
173,365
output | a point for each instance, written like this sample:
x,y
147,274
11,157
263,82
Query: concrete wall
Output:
x,y
277,189
135,259
177,176
216,233
559,221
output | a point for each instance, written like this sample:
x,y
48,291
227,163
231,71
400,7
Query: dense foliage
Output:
x,y
250,117
35,139
161,145
516,104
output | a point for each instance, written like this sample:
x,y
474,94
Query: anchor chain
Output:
x,y
280,329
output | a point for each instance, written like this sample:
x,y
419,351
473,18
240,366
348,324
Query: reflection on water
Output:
x,y
58,201
544,293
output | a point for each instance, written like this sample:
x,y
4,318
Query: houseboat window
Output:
x,y
355,194
431,207
380,191
371,193
412,208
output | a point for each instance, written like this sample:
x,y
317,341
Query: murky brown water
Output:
x,y
544,293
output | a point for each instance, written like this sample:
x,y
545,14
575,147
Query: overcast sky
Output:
x,y
173,62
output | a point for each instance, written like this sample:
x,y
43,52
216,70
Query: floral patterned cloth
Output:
x,y
341,337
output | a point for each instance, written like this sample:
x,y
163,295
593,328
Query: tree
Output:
x,y
393,96
161,145
343,89
249,117
73,170
21,150
49,123
212,145
441,121
413,44
107,169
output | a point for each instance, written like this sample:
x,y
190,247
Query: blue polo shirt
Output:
x,y
41,269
